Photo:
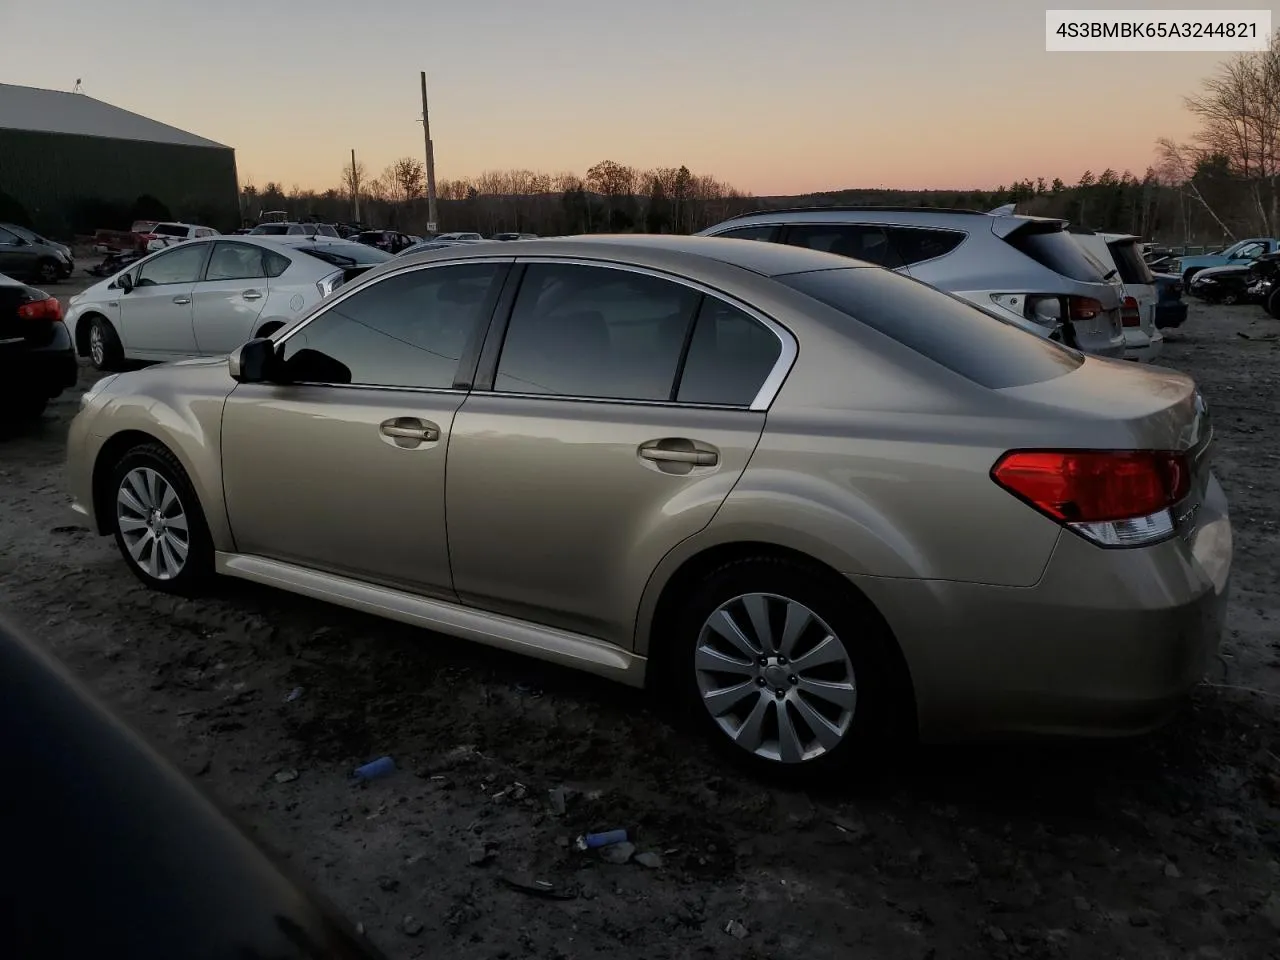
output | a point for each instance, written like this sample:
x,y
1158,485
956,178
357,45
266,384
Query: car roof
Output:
x,y
930,216
656,251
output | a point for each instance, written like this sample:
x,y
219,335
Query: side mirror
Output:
x,y
254,362
125,282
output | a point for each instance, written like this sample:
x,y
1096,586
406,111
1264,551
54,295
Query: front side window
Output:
x,y
179,265
235,261
580,331
8,239
751,233
1250,251
730,356
860,241
409,330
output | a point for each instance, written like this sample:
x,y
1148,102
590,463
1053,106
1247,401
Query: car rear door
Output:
x,y
228,299
614,409
342,468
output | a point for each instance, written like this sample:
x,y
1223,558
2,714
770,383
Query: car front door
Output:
x,y
584,455
342,467
227,302
155,316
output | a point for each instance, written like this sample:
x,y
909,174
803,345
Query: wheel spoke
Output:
x,y
721,701
153,559
717,662
177,522
153,488
138,546
132,525
789,747
827,651
168,562
167,497
751,734
129,500
723,624
177,548
798,617
757,608
828,734
137,482
843,695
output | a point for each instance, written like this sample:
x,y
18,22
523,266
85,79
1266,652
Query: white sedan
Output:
x,y
207,297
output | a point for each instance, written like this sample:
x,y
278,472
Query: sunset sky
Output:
x,y
773,98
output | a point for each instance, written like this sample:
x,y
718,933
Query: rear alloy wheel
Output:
x,y
159,526
788,672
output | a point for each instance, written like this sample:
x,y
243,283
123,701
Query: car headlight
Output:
x,y
87,397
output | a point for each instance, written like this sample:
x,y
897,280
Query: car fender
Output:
x,y
187,421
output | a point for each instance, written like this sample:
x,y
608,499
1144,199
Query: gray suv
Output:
x,y
1026,270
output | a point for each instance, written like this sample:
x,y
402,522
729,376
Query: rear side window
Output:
x,y
1133,269
915,245
751,233
1056,250
860,241
730,356
275,263
938,326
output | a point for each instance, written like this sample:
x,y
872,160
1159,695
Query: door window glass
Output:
x,y
410,330
860,241
729,357
581,331
179,265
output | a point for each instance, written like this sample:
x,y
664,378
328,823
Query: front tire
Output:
x,y
105,352
786,669
159,526
48,271
1230,299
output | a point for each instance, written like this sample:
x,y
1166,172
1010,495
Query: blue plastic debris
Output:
x,y
374,769
593,840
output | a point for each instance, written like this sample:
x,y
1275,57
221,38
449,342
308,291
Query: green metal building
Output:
x,y
71,164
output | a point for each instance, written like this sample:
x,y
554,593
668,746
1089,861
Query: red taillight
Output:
x,y
1095,486
1130,316
47,308
1083,308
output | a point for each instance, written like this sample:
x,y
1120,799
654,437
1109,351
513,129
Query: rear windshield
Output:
x,y
1056,250
346,255
939,326
170,230
1128,258
270,230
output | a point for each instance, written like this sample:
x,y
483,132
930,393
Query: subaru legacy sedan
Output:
x,y
816,503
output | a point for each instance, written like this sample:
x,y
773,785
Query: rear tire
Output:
x,y
786,669
105,352
47,271
1273,303
158,523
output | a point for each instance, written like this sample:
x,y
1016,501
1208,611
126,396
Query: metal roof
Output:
x,y
56,111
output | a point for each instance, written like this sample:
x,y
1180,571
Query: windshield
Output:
x,y
346,254
938,326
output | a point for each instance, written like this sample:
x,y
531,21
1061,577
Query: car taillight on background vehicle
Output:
x,y
1115,498
1084,308
44,308
1130,316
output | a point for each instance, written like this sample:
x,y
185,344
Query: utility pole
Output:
x,y
355,190
432,224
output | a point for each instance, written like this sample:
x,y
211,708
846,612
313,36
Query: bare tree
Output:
x,y
405,178
353,178
1177,167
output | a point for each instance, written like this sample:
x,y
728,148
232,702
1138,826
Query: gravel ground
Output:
x,y
1166,846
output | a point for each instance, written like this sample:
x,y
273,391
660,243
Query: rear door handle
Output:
x,y
698,458
251,295
181,300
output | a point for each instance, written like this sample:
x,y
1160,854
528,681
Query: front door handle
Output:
x,y
181,300
697,458
409,432
251,295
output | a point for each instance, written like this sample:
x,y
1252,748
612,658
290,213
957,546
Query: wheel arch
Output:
x,y
663,598
266,327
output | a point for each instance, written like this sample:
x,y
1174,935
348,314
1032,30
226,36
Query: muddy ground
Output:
x,y
1163,847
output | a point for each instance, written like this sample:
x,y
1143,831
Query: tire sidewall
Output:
x,y
858,629
199,566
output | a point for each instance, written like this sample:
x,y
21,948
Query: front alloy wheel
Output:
x,y
153,523
775,678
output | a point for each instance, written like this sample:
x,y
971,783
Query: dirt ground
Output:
x,y
1166,846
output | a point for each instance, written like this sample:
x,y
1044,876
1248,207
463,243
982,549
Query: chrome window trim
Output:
x,y
769,388
326,306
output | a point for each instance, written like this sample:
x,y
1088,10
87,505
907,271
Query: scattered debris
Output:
x,y
854,829
649,859
382,767
411,925
388,884
617,852
528,690
294,694
479,854
593,840
998,935
539,888
287,776
1171,871
559,800
737,929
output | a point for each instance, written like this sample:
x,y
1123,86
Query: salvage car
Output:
x,y
817,504
1121,255
206,297
1226,285
1238,254
37,360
